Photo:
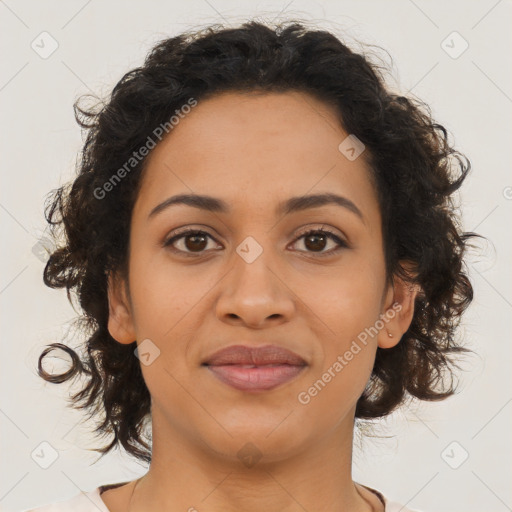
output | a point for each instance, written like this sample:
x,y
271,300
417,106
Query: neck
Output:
x,y
187,476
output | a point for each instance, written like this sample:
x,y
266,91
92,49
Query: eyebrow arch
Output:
x,y
294,204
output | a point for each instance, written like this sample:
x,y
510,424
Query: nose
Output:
x,y
255,294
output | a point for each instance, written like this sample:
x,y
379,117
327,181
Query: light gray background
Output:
x,y
98,42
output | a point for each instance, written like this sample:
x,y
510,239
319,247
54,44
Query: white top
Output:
x,y
91,502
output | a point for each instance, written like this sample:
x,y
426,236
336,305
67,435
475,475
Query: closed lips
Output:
x,y
243,355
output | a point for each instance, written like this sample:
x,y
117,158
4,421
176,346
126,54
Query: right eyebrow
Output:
x,y
202,202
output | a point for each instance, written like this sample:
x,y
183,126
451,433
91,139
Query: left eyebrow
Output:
x,y
291,205
295,204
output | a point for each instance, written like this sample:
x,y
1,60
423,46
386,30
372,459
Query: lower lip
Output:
x,y
261,378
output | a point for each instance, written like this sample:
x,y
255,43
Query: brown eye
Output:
x,y
318,239
315,242
191,241
195,243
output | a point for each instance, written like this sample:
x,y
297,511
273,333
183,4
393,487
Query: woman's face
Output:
x,y
251,278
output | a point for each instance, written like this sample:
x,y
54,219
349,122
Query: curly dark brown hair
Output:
x,y
413,166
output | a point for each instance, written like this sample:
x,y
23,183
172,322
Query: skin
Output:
x,y
253,151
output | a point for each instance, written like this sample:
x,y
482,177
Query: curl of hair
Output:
x,y
414,169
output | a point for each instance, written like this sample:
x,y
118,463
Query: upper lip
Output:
x,y
257,356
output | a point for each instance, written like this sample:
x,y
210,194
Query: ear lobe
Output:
x,y
120,321
399,312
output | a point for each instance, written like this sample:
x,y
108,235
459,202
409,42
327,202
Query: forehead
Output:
x,y
271,126
256,149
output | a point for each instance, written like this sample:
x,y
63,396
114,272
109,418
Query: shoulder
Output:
x,y
85,501
390,506
393,506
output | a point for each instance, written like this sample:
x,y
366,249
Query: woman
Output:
x,y
262,239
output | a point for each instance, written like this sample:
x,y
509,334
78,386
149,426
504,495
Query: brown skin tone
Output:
x,y
254,151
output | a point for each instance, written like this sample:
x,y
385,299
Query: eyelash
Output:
x,y
190,231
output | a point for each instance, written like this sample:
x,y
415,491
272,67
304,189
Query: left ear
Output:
x,y
398,309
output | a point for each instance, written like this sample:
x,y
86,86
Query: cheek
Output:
x,y
347,353
349,306
335,390
163,294
348,301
